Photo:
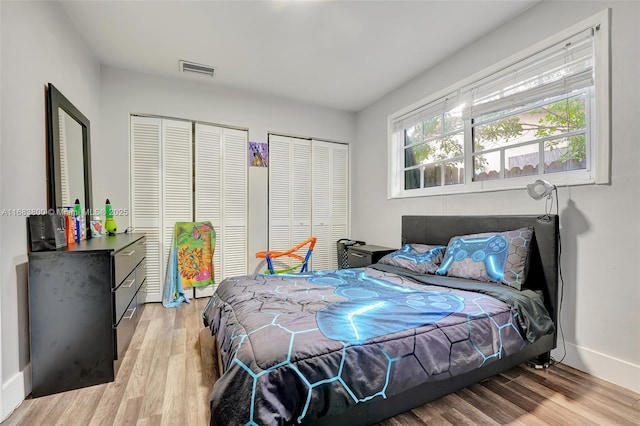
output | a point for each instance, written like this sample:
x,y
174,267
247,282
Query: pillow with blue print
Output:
x,y
420,258
501,257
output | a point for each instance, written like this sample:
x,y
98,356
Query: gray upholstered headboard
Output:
x,y
543,263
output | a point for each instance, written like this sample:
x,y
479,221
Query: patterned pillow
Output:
x,y
420,258
502,257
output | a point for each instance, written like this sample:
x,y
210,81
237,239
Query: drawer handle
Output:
x,y
357,255
131,281
133,311
128,254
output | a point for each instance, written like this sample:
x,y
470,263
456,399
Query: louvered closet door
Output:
x,y
321,203
146,195
177,184
279,195
300,193
339,198
330,213
234,201
208,187
289,194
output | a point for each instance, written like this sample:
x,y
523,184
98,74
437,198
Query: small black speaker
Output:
x,y
47,232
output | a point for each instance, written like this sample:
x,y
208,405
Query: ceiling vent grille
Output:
x,y
186,66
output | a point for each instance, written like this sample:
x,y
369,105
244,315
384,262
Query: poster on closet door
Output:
x,y
258,154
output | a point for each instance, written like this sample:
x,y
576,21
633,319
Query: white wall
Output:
x,y
126,92
600,225
39,45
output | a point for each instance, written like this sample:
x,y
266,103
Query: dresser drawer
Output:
x,y
358,259
141,273
124,294
365,255
127,259
123,332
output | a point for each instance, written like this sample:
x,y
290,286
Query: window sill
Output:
x,y
565,179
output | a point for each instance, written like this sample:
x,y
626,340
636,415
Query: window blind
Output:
x,y
560,69
423,113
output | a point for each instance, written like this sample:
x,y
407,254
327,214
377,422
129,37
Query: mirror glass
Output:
x,y
71,160
68,155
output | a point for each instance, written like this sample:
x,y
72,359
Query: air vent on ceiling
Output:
x,y
186,66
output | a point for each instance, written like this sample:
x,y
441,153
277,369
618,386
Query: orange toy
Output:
x,y
270,255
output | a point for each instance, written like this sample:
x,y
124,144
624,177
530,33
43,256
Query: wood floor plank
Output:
x,y
84,406
606,406
110,402
150,421
175,392
609,391
128,412
571,403
546,409
179,342
169,370
155,387
454,401
138,336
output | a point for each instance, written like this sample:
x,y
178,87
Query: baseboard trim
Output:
x,y
14,391
606,367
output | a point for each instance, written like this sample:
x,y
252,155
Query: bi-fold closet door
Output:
x,y
178,178
308,195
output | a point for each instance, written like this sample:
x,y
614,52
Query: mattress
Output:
x,y
299,347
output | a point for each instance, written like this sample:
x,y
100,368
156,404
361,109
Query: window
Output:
x,y
542,112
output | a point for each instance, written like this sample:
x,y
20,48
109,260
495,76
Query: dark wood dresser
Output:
x,y
84,305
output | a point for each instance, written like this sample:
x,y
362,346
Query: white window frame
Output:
x,y
598,132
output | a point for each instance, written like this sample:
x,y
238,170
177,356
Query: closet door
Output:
x,y
208,191
223,201
330,213
289,194
161,189
339,198
146,196
177,183
234,202
321,203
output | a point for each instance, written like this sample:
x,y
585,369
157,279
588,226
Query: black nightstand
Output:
x,y
359,256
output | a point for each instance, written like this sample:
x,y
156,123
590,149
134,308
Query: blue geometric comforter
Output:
x,y
298,347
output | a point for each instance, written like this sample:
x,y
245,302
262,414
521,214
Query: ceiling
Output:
x,y
338,54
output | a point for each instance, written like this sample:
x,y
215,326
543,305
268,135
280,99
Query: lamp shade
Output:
x,y
540,189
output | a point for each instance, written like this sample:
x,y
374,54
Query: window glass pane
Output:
x,y
453,120
553,118
412,179
410,157
522,160
432,175
486,166
413,134
454,172
441,149
564,154
432,127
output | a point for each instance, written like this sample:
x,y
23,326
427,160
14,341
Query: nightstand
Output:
x,y
359,256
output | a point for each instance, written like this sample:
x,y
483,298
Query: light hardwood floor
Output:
x,y
168,371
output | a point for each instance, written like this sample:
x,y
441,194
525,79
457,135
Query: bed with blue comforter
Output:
x,y
349,346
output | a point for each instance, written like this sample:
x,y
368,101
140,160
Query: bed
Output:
x,y
357,346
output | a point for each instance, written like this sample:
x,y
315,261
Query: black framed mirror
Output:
x,y
68,155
